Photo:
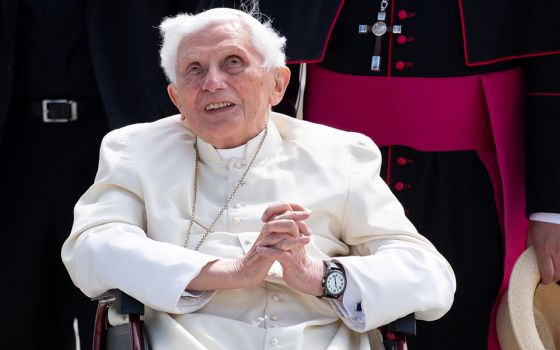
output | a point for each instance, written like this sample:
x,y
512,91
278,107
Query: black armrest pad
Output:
x,y
123,303
405,325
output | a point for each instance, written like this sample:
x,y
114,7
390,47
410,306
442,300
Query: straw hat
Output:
x,y
528,316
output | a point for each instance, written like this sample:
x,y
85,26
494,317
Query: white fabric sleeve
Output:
x,y
108,247
396,270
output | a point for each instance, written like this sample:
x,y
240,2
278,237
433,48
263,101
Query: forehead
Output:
x,y
217,37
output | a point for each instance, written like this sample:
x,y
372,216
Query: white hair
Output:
x,y
264,38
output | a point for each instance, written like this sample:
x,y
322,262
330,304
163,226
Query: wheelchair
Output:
x,y
132,336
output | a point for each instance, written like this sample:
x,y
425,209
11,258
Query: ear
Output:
x,y
281,80
173,95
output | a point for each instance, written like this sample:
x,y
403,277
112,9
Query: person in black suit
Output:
x,y
456,93
71,71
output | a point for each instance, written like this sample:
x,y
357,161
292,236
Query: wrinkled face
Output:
x,y
221,91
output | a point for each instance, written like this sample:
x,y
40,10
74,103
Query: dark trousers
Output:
x,y
45,167
449,198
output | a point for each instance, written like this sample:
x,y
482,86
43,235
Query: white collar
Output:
x,y
231,153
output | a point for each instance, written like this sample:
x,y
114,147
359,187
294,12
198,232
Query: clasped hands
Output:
x,y
283,237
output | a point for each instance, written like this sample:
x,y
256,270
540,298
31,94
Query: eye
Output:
x,y
233,61
193,68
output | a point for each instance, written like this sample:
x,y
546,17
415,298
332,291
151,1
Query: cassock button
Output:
x,y
274,317
401,39
238,165
402,161
399,186
400,65
402,14
274,341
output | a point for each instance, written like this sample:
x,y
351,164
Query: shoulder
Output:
x,y
323,138
162,131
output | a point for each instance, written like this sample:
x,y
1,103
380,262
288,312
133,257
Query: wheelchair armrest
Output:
x,y
405,325
395,333
123,304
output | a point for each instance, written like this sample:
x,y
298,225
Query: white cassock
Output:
x,y
130,227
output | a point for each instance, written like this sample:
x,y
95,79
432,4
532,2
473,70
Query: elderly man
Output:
x,y
242,228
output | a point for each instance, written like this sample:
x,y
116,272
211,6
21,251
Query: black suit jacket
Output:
x,y
124,43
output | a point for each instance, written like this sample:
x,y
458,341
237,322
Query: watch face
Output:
x,y
335,283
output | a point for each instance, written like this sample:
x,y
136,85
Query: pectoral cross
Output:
x,y
378,29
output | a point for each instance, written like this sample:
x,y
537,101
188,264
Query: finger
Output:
x,y
304,228
299,207
293,243
292,215
546,267
270,240
287,244
529,239
281,226
282,207
556,266
275,209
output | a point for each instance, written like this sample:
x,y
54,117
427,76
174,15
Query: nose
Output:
x,y
214,80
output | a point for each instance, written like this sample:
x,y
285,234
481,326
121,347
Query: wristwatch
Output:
x,y
334,280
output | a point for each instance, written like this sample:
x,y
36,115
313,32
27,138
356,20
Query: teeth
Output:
x,y
214,106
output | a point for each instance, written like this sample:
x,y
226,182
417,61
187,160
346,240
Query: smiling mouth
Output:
x,y
216,106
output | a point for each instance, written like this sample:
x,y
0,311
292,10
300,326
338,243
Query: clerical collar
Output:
x,y
209,153
230,153
273,141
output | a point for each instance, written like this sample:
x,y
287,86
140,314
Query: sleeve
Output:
x,y
388,258
108,247
542,128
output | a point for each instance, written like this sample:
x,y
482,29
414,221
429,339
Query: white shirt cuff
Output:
x,y
350,306
553,218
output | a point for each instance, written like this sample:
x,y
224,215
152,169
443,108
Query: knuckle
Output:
x,y
293,225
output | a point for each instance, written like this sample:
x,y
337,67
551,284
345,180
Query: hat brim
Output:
x,y
520,325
